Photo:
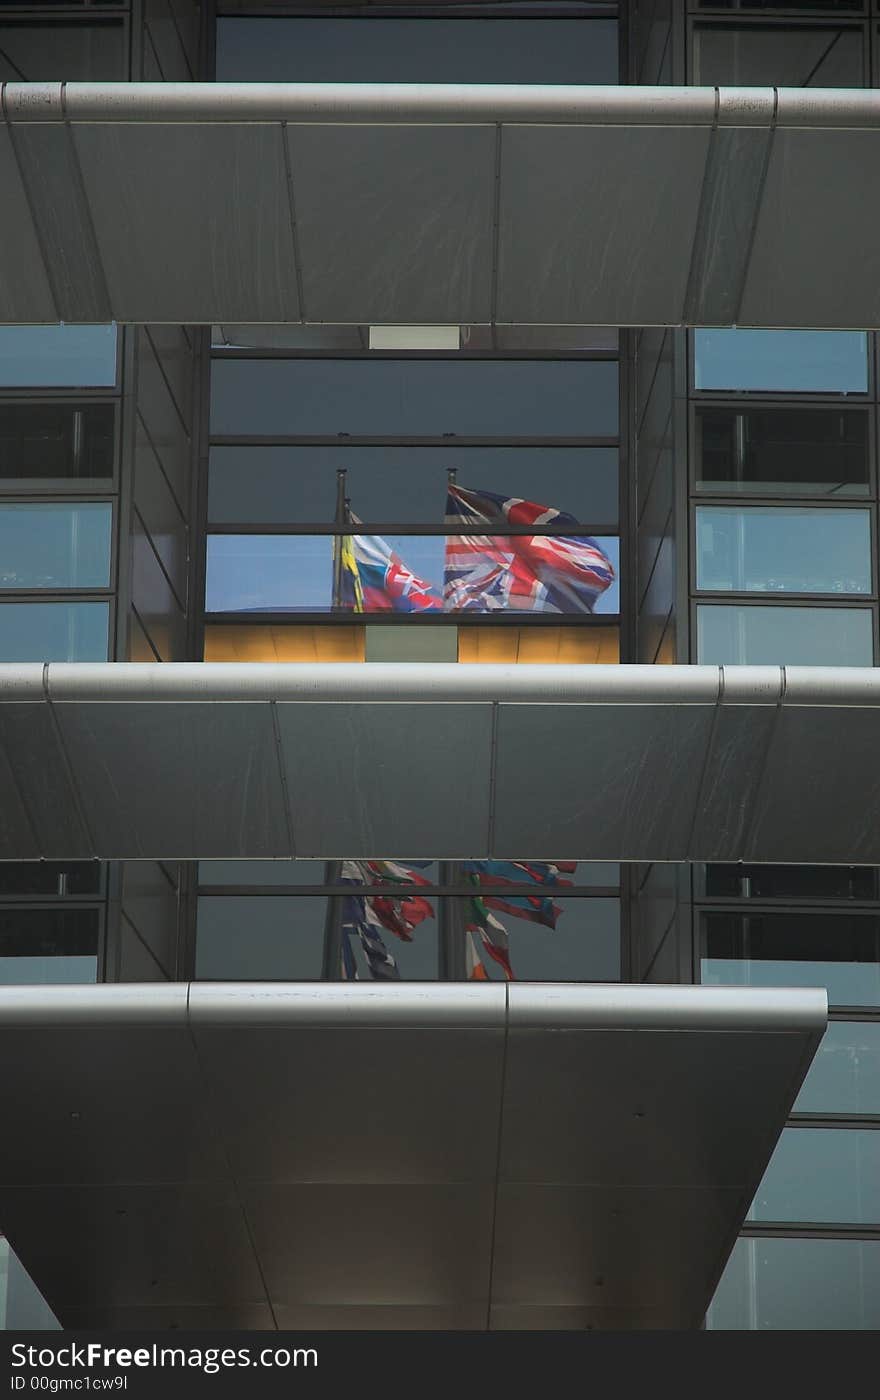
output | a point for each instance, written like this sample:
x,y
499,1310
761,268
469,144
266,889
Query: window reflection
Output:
x,y
805,1285
44,440
845,1075
63,356
839,951
820,1175
833,362
783,549
747,635
49,544
764,55
782,451
48,945
54,631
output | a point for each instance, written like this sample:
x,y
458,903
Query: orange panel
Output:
x,y
547,645
257,642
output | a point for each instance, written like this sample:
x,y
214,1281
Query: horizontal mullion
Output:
x,y
256,352
798,500
783,1229
429,891
448,440
870,1121
426,619
397,527
785,600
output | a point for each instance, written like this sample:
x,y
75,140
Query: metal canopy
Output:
x,y
460,1156
433,204
440,761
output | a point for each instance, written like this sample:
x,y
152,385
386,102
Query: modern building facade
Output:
x,y
282,337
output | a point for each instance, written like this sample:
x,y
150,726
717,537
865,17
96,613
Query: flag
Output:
x,y
493,934
520,573
476,972
538,908
368,917
372,578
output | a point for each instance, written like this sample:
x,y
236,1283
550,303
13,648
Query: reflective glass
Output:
x,y
429,50
44,52
837,5
41,441
60,356
297,485
799,1285
783,549
401,573
777,56
744,635
74,877
833,362
312,872
50,544
792,881
845,1075
414,398
826,1175
583,947
22,1307
48,945
54,631
840,952
782,451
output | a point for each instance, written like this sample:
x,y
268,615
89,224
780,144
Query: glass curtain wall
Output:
x,y
783,569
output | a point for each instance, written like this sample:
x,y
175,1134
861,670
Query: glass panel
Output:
x,y
583,947
845,1075
771,55
53,53
46,440
566,340
415,398
783,549
792,881
63,356
48,945
760,636
840,952
262,872
22,1306
405,574
297,485
799,1285
837,5
834,362
772,451
54,631
54,545
372,50
829,1175
54,877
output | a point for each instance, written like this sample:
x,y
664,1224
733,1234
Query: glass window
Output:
x,y
414,398
40,441
845,1075
54,631
76,877
833,362
840,952
799,1285
829,1175
297,485
456,50
782,451
414,574
589,874
837,5
745,635
22,1306
57,356
791,881
44,52
48,945
762,55
50,544
783,549
584,946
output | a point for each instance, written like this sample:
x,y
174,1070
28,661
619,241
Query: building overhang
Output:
x,y
440,761
421,204
357,1156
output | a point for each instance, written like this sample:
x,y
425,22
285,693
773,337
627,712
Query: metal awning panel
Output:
x,y
452,1156
440,761
428,204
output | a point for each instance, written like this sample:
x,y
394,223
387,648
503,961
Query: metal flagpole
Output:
x,y
331,970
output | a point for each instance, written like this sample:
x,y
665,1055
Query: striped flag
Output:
x,y
373,578
368,917
519,573
538,908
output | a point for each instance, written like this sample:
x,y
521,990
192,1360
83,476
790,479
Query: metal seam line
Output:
x,y
499,1144
282,774
78,803
287,152
758,206
749,818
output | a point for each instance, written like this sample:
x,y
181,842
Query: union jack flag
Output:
x,y
367,916
520,573
373,578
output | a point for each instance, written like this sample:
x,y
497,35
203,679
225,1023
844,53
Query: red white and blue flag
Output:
x,y
368,917
519,573
373,578
537,907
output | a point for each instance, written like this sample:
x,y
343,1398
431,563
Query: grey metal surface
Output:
x,y
333,1155
438,204
432,761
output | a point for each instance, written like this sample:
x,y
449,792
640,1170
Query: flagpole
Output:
x,y
331,969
